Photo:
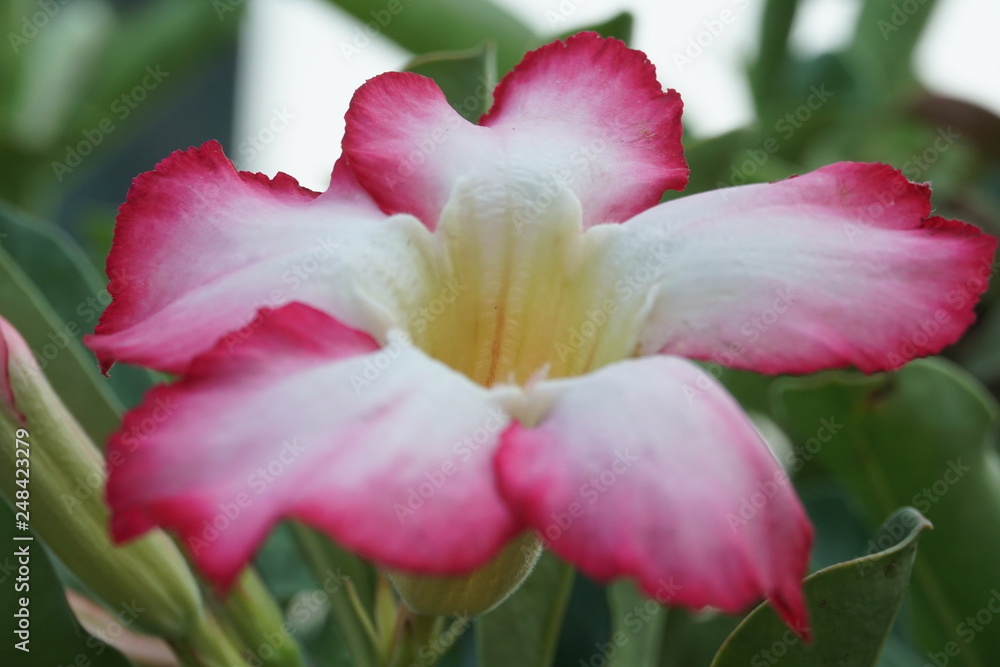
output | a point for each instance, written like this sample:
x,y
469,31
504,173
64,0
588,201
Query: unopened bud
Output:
x,y
475,593
39,437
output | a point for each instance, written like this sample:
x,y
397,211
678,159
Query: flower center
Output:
x,y
520,289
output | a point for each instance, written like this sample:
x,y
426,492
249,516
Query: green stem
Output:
x,y
345,604
257,622
207,646
555,622
413,633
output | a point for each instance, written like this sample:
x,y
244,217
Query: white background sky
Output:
x,y
293,64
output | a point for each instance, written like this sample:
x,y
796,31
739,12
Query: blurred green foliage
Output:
x,y
71,75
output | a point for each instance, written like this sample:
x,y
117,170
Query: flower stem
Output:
x,y
257,622
414,639
207,646
338,570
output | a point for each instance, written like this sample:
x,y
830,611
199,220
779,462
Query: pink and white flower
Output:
x,y
482,330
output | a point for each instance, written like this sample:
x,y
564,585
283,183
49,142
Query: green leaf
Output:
x,y
466,78
348,583
979,352
151,48
618,26
885,35
53,295
440,25
924,436
65,363
524,630
637,625
851,606
772,60
15,28
57,64
56,637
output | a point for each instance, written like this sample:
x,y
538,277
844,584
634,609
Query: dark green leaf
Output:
x,y
692,639
618,26
924,436
68,367
440,25
466,78
637,627
53,295
885,34
851,606
56,65
980,350
524,630
772,60
341,574
55,637
147,54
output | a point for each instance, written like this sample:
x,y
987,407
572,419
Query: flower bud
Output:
x,y
54,477
475,593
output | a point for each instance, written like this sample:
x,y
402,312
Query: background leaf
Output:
x,y
637,628
466,78
442,25
524,630
925,436
618,26
851,607
52,307
56,638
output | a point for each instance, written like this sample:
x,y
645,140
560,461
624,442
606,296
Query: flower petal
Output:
x,y
593,106
587,114
386,450
648,468
200,247
842,266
